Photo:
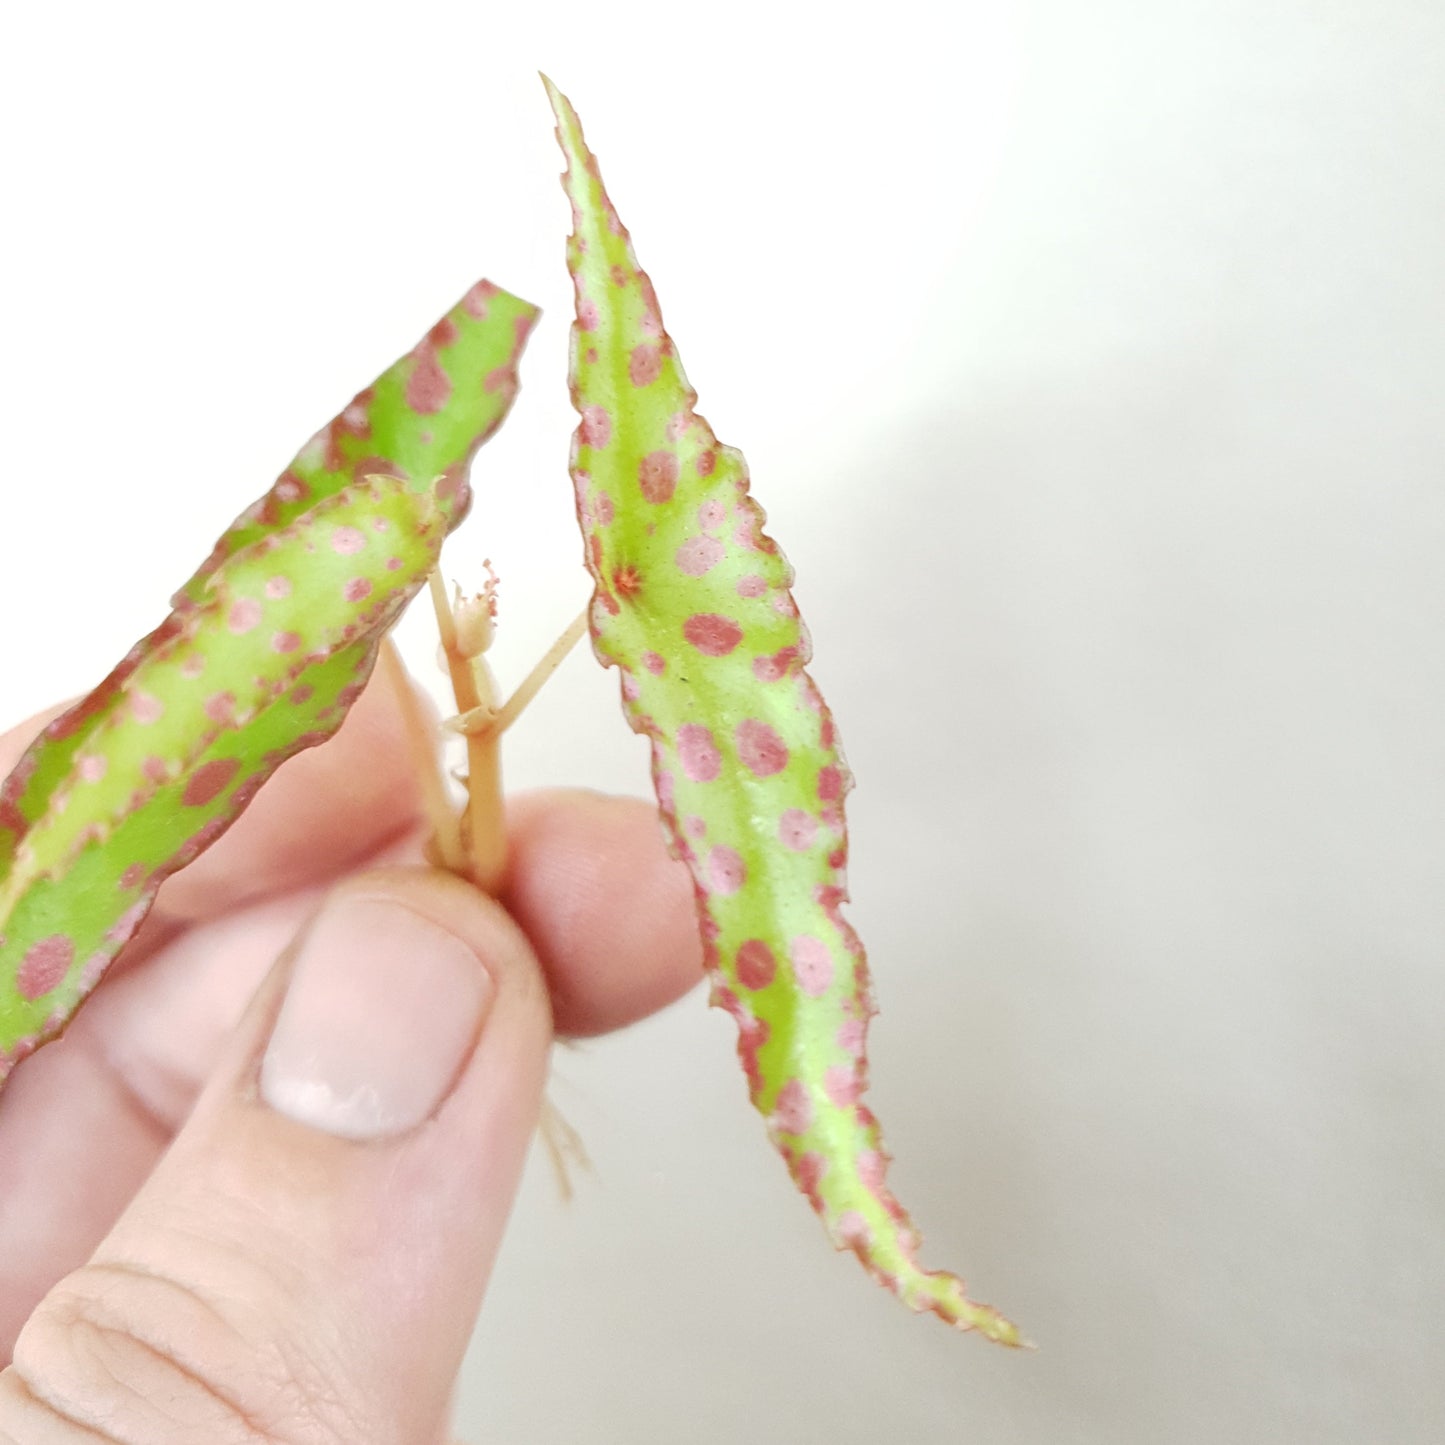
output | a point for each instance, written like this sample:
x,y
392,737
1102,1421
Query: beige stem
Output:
x,y
485,835
486,719
421,743
552,659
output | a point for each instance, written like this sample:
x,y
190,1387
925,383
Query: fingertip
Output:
x,y
609,913
390,986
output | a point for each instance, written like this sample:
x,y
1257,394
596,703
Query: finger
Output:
x,y
307,1260
610,914
85,1120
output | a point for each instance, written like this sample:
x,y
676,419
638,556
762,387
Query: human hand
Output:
x,y
256,1200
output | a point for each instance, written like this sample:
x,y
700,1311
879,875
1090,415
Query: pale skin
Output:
x,y
185,1253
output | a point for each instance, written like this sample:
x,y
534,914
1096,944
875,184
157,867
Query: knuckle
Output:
x,y
117,1353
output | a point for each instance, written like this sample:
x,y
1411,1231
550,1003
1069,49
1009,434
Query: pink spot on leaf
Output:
x,y
711,515
843,1084
701,761
644,366
812,964
756,966
121,930
45,964
285,642
244,616
699,555
347,541
752,585
428,388
798,830
753,1033
712,634
775,667
657,476
209,781
146,709
809,1171
872,1168
726,870
278,587
654,663
596,427
830,784
762,751
221,707
475,301
793,1113
357,589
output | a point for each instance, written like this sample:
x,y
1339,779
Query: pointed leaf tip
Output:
x,y
561,106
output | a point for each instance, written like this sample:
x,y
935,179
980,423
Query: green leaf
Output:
x,y
692,604
269,644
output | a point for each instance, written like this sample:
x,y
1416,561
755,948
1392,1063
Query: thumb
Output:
x,y
307,1261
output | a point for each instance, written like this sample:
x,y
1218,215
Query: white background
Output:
x,y
1089,361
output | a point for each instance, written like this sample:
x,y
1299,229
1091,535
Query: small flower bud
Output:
x,y
475,625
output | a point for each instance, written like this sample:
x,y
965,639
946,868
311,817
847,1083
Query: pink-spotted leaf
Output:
x,y
266,648
692,604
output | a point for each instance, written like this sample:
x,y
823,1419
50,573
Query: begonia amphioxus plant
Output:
x,y
271,641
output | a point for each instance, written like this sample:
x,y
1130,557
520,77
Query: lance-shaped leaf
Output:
x,y
692,604
267,647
